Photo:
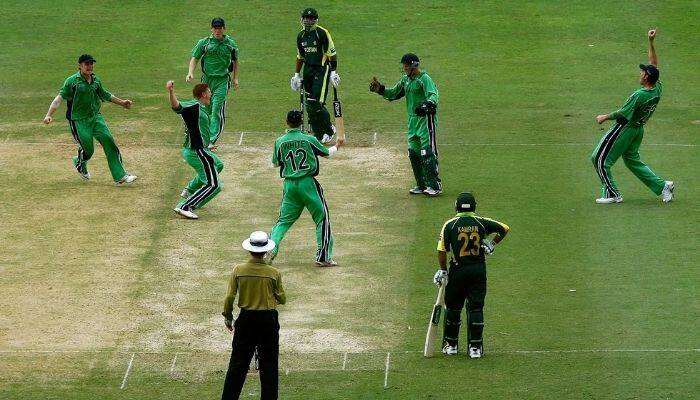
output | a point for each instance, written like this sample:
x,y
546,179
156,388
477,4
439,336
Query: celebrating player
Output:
x,y
195,114
421,106
296,154
85,94
625,136
316,53
219,57
466,236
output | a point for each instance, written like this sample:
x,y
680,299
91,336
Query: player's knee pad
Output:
x,y
453,317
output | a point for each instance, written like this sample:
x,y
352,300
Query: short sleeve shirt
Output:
x,y
315,46
296,154
84,98
196,119
217,56
464,234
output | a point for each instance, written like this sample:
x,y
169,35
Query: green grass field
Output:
x,y
107,294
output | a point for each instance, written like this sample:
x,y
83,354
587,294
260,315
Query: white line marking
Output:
x,y
240,140
172,366
128,369
386,369
345,360
286,372
374,140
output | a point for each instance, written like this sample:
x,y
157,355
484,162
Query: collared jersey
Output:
x,y
259,287
216,57
296,153
315,46
639,107
84,99
464,234
417,90
195,115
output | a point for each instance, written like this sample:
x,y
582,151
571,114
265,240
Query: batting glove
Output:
x,y
427,107
295,83
440,277
335,79
488,247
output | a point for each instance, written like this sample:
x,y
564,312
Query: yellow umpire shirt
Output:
x,y
259,287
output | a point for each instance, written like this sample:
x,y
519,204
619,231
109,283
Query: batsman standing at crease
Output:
x,y
195,114
316,53
421,107
467,237
85,94
259,289
625,136
296,154
218,54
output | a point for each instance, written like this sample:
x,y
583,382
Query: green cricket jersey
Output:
x,y
217,57
84,99
315,46
417,90
296,153
463,235
639,106
196,118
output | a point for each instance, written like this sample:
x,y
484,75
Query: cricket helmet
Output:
x,y
411,60
465,202
309,18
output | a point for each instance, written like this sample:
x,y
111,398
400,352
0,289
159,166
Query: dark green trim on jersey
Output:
x,y
296,154
464,234
216,57
196,119
84,98
315,46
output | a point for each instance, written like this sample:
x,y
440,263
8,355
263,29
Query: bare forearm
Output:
x,y
54,105
174,103
116,100
298,66
235,69
442,260
192,66
653,59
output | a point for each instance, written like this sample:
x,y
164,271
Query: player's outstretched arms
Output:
x,y
174,103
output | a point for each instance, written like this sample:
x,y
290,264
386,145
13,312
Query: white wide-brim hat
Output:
x,y
258,242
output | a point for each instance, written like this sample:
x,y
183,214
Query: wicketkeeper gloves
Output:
x,y
440,277
428,107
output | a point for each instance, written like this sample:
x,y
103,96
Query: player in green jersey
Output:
x,y
466,236
625,136
421,106
195,114
296,154
85,94
218,54
316,53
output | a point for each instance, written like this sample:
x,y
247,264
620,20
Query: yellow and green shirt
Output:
x,y
464,234
315,46
84,98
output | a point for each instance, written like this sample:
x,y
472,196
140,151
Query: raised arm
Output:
x,y
653,59
174,103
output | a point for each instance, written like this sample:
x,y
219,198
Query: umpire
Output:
x,y
467,237
259,288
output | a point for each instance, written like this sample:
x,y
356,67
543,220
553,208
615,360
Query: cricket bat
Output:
x,y
433,323
338,115
302,105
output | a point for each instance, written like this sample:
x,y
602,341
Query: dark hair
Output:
x,y
294,118
199,90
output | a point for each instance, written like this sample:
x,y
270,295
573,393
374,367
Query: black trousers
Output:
x,y
254,329
466,283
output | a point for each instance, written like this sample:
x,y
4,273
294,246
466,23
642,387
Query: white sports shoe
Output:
x,y
186,213
609,200
431,192
84,172
185,194
127,179
415,190
212,146
667,193
326,138
474,352
329,263
450,350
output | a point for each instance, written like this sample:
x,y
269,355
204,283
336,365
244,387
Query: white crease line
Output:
x,y
345,360
386,369
128,369
216,353
374,139
172,366
240,140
